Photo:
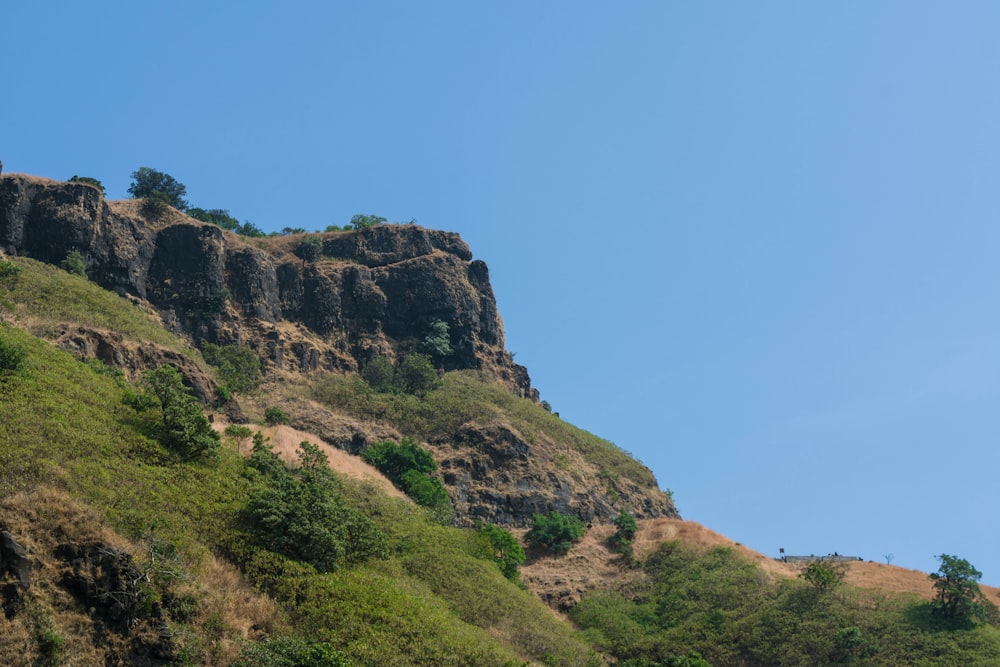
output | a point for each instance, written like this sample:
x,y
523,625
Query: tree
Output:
x,y
184,427
555,532
302,514
958,596
146,182
626,527
416,375
74,263
363,221
507,553
824,575
380,374
238,365
438,339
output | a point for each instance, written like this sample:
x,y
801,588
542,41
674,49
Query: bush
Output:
x,y
362,221
274,416
154,185
507,553
155,204
824,575
416,375
12,356
238,365
183,426
74,263
301,513
89,181
380,374
310,248
438,339
626,528
555,533
9,271
409,466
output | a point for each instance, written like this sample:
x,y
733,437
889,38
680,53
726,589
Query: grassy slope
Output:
x,y
436,600
464,396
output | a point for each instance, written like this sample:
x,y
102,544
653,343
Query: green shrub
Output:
x,y
310,248
274,416
409,466
416,374
155,204
12,355
74,263
556,533
89,181
625,530
380,374
238,365
362,221
438,339
9,271
183,426
824,575
507,553
301,513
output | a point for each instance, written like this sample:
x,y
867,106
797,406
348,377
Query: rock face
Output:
x,y
373,292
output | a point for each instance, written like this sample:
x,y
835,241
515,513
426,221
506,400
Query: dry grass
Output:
x,y
228,611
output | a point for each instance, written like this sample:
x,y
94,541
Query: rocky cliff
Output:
x,y
311,303
366,293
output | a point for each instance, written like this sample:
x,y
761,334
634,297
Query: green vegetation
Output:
x,y
310,248
12,355
824,575
239,365
89,181
74,263
157,188
436,598
465,396
625,530
408,466
182,426
414,375
302,515
362,221
507,553
957,594
54,299
723,607
438,339
222,218
556,532
274,416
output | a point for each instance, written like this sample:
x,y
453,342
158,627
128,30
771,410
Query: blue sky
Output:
x,y
755,244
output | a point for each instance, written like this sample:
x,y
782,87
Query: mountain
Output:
x,y
314,449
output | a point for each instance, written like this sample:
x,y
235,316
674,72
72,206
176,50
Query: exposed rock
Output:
x,y
106,581
134,358
495,475
14,564
375,292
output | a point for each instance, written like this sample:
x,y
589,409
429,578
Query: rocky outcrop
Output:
x,y
15,573
495,475
374,292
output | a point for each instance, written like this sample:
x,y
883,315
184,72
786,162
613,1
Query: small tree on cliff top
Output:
x,y
147,182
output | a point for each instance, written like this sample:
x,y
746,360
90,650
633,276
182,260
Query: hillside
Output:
x,y
159,509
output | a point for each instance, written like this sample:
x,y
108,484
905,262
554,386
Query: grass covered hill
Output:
x,y
416,517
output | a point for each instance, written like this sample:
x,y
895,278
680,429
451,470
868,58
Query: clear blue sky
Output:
x,y
755,244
